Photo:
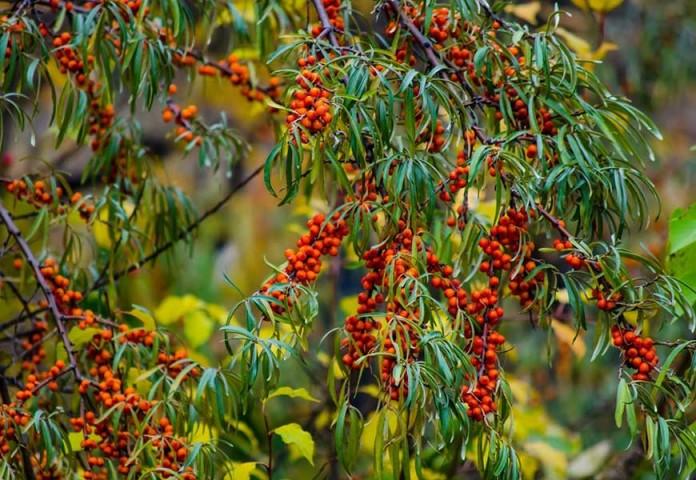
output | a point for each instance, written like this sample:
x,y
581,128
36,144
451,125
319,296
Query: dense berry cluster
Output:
x,y
503,248
102,384
386,265
304,263
638,352
311,110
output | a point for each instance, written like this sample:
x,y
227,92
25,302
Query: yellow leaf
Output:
x,y
292,393
369,433
174,308
75,440
241,471
632,317
371,390
203,434
349,305
323,419
79,337
218,312
526,11
604,49
427,474
487,209
528,465
198,327
293,434
576,43
144,316
324,359
142,385
554,461
599,6
582,47
566,334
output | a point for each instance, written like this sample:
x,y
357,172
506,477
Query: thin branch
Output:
x,y
182,234
43,285
326,22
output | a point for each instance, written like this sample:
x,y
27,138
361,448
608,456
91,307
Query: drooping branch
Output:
x,y
58,316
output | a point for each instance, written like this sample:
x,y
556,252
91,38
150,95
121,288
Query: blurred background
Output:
x,y
563,419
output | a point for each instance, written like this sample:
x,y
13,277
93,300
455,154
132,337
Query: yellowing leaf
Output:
x,y
371,390
554,461
566,334
174,308
198,327
293,434
349,304
241,471
80,337
582,47
218,312
144,316
203,434
487,209
142,385
75,440
600,6
526,11
292,393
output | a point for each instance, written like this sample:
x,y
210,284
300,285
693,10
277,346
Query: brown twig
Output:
x,y
325,22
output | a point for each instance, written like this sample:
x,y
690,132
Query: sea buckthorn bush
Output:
x,y
397,121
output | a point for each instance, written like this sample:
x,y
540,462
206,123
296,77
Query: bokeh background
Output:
x,y
563,419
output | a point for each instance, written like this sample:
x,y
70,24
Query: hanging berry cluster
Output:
x,y
304,263
638,352
39,194
502,247
310,107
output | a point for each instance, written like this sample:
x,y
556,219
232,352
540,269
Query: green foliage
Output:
x,y
537,132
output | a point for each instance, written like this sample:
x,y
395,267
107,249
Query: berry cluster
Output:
x,y
638,352
304,263
333,10
40,195
385,264
101,117
311,109
237,73
480,399
434,140
108,444
502,247
457,180
183,117
310,106
606,302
